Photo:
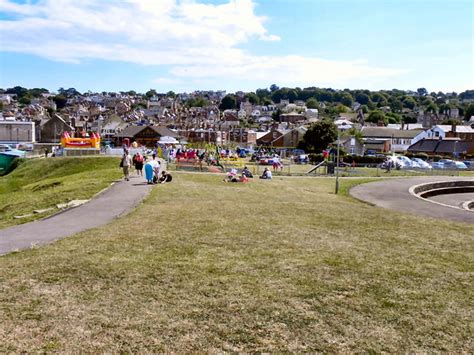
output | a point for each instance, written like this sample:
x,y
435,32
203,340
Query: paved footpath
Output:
x,y
394,194
118,200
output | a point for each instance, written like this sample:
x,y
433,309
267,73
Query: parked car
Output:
x,y
421,164
404,162
460,165
437,165
448,164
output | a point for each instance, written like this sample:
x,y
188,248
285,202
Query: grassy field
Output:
x,y
282,265
43,183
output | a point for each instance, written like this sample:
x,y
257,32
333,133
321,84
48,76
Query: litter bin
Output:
x,y
330,168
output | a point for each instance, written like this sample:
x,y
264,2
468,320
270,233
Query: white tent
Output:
x,y
167,140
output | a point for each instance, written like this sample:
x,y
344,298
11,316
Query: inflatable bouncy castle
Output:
x,y
92,142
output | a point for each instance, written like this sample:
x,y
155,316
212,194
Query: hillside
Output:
x,y
42,183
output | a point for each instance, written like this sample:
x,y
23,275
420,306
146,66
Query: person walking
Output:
x,y
138,162
126,163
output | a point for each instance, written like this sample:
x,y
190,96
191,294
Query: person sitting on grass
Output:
x,y
231,176
165,177
267,174
246,172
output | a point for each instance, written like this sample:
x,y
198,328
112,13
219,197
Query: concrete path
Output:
x,y
394,194
118,200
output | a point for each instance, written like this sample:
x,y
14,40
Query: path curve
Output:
x,y
393,194
116,201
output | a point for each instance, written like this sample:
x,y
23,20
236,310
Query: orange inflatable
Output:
x,y
92,142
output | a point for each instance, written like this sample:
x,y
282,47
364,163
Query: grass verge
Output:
x,y
43,183
281,265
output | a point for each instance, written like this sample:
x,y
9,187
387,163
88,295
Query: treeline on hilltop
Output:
x,y
388,106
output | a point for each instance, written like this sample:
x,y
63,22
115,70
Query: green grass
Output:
x,y
43,183
281,265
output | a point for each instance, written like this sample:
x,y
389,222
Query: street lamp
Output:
x,y
455,146
337,161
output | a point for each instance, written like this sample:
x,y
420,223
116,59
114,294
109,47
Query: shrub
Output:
x,y
423,156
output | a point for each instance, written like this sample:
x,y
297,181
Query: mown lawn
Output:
x,y
43,183
282,265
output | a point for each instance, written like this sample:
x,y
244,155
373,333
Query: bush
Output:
x,y
423,156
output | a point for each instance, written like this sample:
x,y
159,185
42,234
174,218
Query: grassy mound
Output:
x,y
43,183
273,266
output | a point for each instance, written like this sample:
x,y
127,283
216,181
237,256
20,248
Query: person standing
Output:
x,y
152,169
138,162
126,164
275,162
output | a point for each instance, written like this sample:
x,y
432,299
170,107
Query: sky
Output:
x,y
187,45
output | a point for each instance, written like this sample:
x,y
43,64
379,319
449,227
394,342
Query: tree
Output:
x,y
362,98
37,92
18,91
340,108
197,102
60,101
378,97
263,93
347,99
451,121
25,100
312,103
431,107
273,88
267,101
253,98
150,93
319,136
409,119
228,102
171,94
396,105
393,117
469,112
280,94
377,116
422,91
409,102
292,95
276,115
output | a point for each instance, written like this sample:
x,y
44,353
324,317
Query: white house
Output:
x,y
343,124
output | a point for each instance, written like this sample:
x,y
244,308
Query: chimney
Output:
x,y
453,128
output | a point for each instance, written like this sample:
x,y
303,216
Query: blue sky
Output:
x,y
237,44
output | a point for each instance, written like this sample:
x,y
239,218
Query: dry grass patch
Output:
x,y
282,265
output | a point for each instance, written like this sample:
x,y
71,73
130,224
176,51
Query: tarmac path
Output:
x,y
393,194
118,200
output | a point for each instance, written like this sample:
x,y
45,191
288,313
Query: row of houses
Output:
x,y
440,139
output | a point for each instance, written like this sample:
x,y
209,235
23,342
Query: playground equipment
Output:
x,y
92,142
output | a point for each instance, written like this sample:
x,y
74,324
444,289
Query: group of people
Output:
x,y
153,172
246,174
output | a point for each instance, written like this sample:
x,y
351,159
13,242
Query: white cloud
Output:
x,y
197,40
